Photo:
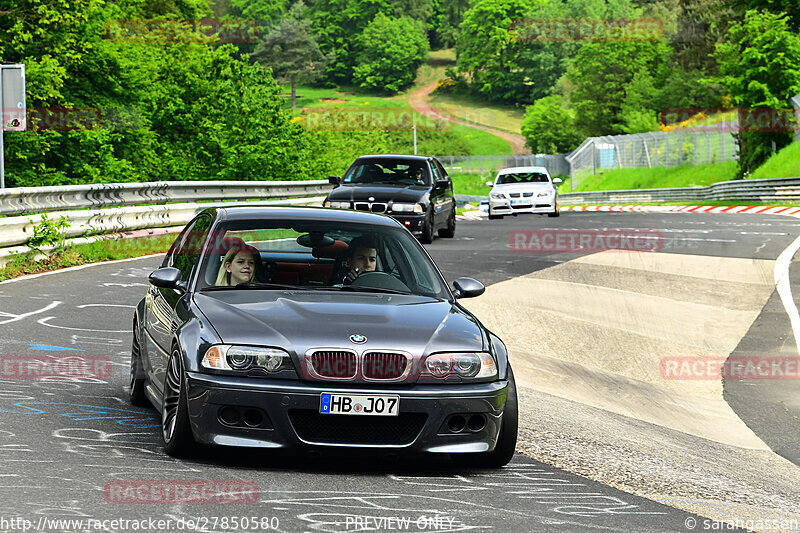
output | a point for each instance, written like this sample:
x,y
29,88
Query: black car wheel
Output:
x,y
136,393
507,439
427,229
175,429
450,231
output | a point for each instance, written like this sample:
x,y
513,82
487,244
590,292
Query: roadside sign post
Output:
x,y
12,107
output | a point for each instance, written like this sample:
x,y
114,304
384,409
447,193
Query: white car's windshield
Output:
x,y
522,177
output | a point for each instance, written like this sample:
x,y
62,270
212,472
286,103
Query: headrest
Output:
x,y
331,252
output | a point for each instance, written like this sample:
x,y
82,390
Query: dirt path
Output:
x,y
419,100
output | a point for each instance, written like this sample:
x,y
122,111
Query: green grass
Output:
x,y
783,164
481,142
315,108
95,252
654,178
476,111
471,184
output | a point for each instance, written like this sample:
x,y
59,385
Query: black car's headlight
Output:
x,y
398,207
244,358
468,365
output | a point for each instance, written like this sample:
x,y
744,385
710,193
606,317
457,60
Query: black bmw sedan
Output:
x,y
415,190
279,327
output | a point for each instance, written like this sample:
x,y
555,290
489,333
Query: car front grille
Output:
x,y
514,195
379,365
333,364
377,207
399,430
527,194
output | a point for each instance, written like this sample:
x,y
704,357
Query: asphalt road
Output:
x,y
74,449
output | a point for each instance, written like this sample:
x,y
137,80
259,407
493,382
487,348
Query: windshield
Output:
x,y
522,177
318,255
388,171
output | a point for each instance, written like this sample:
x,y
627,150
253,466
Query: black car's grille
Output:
x,y
377,207
334,364
377,365
399,430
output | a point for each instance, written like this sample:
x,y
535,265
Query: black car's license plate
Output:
x,y
358,404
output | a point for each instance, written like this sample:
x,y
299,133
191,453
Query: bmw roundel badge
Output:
x,y
358,339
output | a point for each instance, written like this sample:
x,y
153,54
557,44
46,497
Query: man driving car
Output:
x,y
362,256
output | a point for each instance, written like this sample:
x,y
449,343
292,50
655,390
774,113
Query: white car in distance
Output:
x,y
523,190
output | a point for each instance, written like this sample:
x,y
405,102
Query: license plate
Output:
x,y
356,404
520,202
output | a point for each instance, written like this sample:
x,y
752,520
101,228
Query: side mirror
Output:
x,y
167,278
557,180
334,180
489,184
441,184
467,288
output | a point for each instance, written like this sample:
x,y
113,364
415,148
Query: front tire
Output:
x,y
507,439
450,231
136,393
556,211
175,428
427,229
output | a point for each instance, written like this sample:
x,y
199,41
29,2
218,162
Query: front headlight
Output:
x,y
398,207
477,365
545,193
497,195
242,358
337,205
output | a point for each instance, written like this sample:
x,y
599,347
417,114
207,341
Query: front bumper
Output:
x,y
502,206
412,223
290,416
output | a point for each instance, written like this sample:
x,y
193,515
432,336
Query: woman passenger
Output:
x,y
238,266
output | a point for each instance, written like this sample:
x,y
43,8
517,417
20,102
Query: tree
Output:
x,y
549,127
390,52
760,67
447,16
292,51
601,73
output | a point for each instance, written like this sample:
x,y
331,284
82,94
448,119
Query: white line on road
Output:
x,y
784,289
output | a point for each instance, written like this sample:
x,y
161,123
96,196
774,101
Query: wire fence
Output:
x,y
556,165
654,149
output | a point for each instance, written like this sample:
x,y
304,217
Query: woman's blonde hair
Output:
x,y
223,276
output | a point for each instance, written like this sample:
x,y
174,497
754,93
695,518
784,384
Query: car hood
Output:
x,y
381,193
301,320
523,187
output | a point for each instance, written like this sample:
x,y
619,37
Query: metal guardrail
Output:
x,y
745,191
102,208
21,200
